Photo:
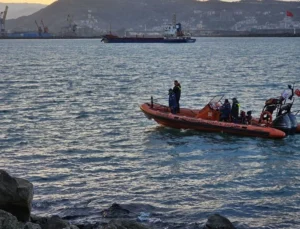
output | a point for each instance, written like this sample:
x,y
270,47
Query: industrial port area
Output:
x,y
79,29
42,30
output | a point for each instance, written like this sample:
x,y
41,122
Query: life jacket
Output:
x,y
235,109
172,100
177,91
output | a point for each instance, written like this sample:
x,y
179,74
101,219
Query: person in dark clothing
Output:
x,y
177,91
249,117
225,111
242,118
235,110
172,102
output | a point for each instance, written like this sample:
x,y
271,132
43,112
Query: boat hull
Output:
x,y
288,124
146,40
163,116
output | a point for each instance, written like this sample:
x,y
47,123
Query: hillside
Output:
x,y
138,14
21,9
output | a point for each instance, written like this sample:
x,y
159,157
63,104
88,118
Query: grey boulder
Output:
x,y
217,221
8,221
124,224
16,196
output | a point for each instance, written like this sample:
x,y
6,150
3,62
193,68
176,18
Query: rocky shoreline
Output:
x,y
16,195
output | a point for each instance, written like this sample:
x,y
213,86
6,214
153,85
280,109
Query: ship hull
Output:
x,y
147,40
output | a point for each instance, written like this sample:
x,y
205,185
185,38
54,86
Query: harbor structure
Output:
x,y
3,16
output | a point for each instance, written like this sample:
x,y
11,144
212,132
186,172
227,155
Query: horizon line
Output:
x,y
49,2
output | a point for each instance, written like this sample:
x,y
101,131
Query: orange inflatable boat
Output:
x,y
205,120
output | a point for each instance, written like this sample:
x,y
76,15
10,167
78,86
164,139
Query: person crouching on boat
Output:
x,y
249,117
242,119
173,102
225,111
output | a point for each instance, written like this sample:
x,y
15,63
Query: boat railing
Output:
x,y
296,112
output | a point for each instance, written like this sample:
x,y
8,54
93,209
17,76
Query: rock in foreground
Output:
x,y
8,221
217,221
124,224
16,196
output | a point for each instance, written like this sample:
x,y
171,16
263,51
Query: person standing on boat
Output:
x,y
172,101
177,91
225,111
235,110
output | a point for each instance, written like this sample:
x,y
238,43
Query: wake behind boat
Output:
x,y
206,119
173,33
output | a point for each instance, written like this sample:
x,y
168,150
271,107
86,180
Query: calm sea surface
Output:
x,y
70,123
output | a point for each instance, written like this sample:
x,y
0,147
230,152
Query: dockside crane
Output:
x,y
46,30
72,25
2,20
39,28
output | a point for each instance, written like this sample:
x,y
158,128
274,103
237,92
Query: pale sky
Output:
x,y
47,2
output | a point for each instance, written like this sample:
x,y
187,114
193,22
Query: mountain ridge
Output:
x,y
138,14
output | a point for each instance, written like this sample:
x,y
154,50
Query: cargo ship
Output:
x,y
172,34
116,39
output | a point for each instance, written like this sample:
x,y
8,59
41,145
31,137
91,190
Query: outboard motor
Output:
x,y
283,122
294,123
286,110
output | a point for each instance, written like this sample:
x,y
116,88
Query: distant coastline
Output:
x,y
253,35
201,35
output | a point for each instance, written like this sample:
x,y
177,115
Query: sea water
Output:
x,y
70,123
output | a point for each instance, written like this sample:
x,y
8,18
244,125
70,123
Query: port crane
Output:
x,y
46,30
2,20
39,28
72,25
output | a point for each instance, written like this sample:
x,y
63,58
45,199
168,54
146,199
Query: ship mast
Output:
x,y
174,19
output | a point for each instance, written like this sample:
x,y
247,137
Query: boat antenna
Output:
x,y
151,99
174,19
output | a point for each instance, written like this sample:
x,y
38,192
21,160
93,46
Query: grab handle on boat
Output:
x,y
151,102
